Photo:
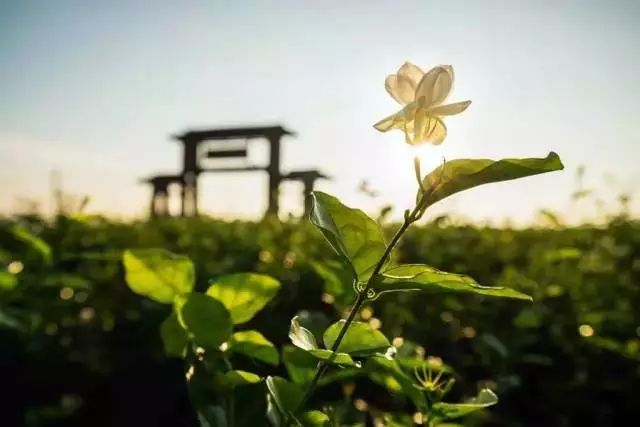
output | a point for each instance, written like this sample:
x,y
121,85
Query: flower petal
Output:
x,y
436,132
449,109
435,85
400,88
394,121
412,73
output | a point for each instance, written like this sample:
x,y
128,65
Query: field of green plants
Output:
x,y
79,348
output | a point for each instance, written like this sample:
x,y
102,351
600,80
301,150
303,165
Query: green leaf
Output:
x,y
301,336
244,294
254,345
300,365
314,419
484,399
461,174
206,320
351,233
235,378
342,359
158,274
359,339
8,281
174,337
388,373
286,395
33,242
419,277
338,279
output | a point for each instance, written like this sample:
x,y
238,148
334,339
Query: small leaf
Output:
x,y
314,419
286,395
484,399
235,378
461,174
206,320
351,233
359,339
342,359
244,294
174,337
158,274
254,345
338,279
419,277
300,336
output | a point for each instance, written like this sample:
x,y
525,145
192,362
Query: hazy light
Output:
x,y
586,331
66,293
398,342
468,332
375,323
15,267
327,298
87,313
366,313
360,405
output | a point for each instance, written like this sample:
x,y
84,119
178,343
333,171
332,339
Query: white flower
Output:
x,y
423,95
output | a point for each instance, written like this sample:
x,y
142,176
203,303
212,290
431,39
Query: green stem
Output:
x,y
360,299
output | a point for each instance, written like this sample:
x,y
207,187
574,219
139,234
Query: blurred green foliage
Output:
x,y
79,348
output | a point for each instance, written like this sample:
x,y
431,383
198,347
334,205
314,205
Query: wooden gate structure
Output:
x,y
227,143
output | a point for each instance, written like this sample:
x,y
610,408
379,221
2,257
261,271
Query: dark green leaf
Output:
x,y
388,373
359,339
174,337
484,399
351,233
419,277
244,294
286,395
253,344
461,174
206,319
300,365
158,274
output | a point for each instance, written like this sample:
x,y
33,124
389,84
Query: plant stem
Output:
x,y
360,299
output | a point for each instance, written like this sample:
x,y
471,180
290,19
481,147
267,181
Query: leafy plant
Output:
x,y
201,326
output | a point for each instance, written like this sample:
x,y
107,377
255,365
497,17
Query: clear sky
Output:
x,y
95,89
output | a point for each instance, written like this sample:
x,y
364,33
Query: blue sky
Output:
x,y
95,89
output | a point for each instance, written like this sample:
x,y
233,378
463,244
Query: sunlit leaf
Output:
x,y
244,294
235,378
484,399
158,274
174,337
461,174
419,277
314,419
351,233
8,281
359,339
206,320
300,336
253,344
338,279
342,359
